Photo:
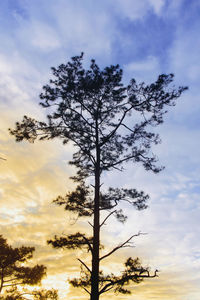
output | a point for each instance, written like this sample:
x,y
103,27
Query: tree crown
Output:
x,y
90,107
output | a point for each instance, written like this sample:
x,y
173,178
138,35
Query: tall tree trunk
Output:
x,y
96,227
95,254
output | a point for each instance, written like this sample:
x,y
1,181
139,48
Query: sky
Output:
x,y
147,38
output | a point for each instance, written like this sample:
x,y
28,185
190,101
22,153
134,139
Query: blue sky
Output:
x,y
147,38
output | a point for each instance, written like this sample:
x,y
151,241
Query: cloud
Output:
x,y
143,70
43,36
74,27
137,9
147,38
157,5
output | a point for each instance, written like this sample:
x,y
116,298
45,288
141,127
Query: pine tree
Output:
x,y
14,273
12,269
109,124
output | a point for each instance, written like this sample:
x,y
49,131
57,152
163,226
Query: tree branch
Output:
x,y
90,224
84,265
11,279
107,218
13,284
117,126
111,283
86,290
80,146
127,127
81,115
107,288
88,243
120,246
119,162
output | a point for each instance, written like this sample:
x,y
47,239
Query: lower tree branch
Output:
x,y
106,289
125,279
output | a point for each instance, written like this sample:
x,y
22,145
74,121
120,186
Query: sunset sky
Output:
x,y
147,38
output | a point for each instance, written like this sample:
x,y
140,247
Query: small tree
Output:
x,y
14,273
108,123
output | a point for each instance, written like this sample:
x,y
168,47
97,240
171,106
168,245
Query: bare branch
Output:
x,y
119,162
90,224
118,169
84,265
107,218
86,290
127,127
120,246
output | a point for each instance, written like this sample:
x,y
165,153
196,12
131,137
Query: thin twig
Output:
x,y
90,224
86,290
84,265
112,212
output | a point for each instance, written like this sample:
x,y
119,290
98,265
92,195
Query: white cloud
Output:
x,y
184,55
131,9
73,28
84,28
157,5
149,65
137,9
44,37
144,70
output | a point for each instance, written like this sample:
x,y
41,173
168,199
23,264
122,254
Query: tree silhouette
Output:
x,y
15,294
109,124
14,273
